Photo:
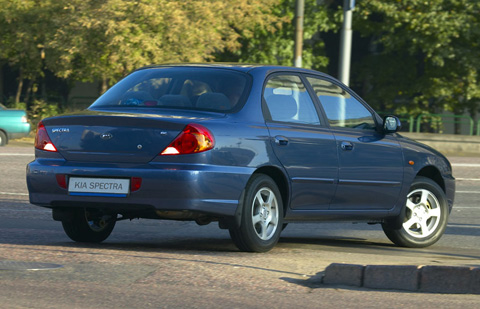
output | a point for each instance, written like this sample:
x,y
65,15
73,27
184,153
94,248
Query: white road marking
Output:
x,y
468,192
17,154
468,179
466,225
465,165
13,193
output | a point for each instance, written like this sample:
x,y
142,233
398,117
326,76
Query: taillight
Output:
x,y
42,140
194,138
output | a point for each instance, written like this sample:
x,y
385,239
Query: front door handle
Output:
x,y
281,140
347,146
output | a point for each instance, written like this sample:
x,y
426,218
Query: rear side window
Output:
x,y
190,88
288,100
342,109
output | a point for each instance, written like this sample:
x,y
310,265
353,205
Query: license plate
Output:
x,y
98,186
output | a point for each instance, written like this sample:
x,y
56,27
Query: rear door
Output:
x,y
370,163
302,143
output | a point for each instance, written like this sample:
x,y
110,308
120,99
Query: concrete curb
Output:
x,y
432,279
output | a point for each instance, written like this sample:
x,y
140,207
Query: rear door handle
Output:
x,y
281,140
347,146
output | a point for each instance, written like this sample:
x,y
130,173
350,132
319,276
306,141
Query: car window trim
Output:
x,y
374,114
320,111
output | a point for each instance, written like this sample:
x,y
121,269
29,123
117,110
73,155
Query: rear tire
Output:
x,y
426,216
89,225
3,139
262,216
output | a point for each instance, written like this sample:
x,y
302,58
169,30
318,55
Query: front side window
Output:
x,y
342,109
191,88
287,100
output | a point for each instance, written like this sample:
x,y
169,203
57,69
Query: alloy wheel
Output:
x,y
265,213
423,213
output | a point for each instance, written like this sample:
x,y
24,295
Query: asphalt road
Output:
x,y
149,263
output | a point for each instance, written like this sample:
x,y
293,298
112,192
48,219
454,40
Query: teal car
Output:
x,y
13,124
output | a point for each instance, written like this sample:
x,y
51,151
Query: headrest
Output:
x,y
215,101
174,100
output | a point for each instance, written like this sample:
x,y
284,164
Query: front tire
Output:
x,y
89,225
262,216
426,216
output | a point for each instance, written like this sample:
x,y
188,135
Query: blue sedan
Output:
x,y
250,147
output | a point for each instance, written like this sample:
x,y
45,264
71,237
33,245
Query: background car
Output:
x,y
13,124
251,147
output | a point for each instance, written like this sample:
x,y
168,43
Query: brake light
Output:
x,y
194,138
42,140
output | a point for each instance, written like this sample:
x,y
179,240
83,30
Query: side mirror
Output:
x,y
391,124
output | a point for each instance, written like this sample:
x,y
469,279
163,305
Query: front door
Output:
x,y
370,163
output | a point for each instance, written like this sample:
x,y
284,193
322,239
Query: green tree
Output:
x,y
104,40
276,45
424,55
25,30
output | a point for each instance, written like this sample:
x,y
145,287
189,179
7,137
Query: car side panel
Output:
x,y
370,173
11,123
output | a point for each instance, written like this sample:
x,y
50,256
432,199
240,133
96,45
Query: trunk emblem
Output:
x,y
60,130
106,136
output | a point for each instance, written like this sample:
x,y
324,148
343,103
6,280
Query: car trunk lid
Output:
x,y
114,137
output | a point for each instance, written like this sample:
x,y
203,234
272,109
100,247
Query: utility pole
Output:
x,y
299,13
346,42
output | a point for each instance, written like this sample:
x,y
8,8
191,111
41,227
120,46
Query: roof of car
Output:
x,y
244,67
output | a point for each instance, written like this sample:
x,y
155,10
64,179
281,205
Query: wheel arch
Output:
x,y
434,174
281,181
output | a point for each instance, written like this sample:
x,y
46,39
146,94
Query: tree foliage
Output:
x,y
106,39
25,30
23,34
425,54
92,40
276,46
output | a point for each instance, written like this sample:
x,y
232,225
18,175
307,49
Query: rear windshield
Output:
x,y
211,89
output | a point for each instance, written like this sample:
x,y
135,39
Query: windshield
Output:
x,y
192,88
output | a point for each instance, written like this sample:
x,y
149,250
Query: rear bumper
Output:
x,y
213,190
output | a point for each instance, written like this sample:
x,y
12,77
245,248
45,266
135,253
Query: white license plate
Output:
x,y
98,186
